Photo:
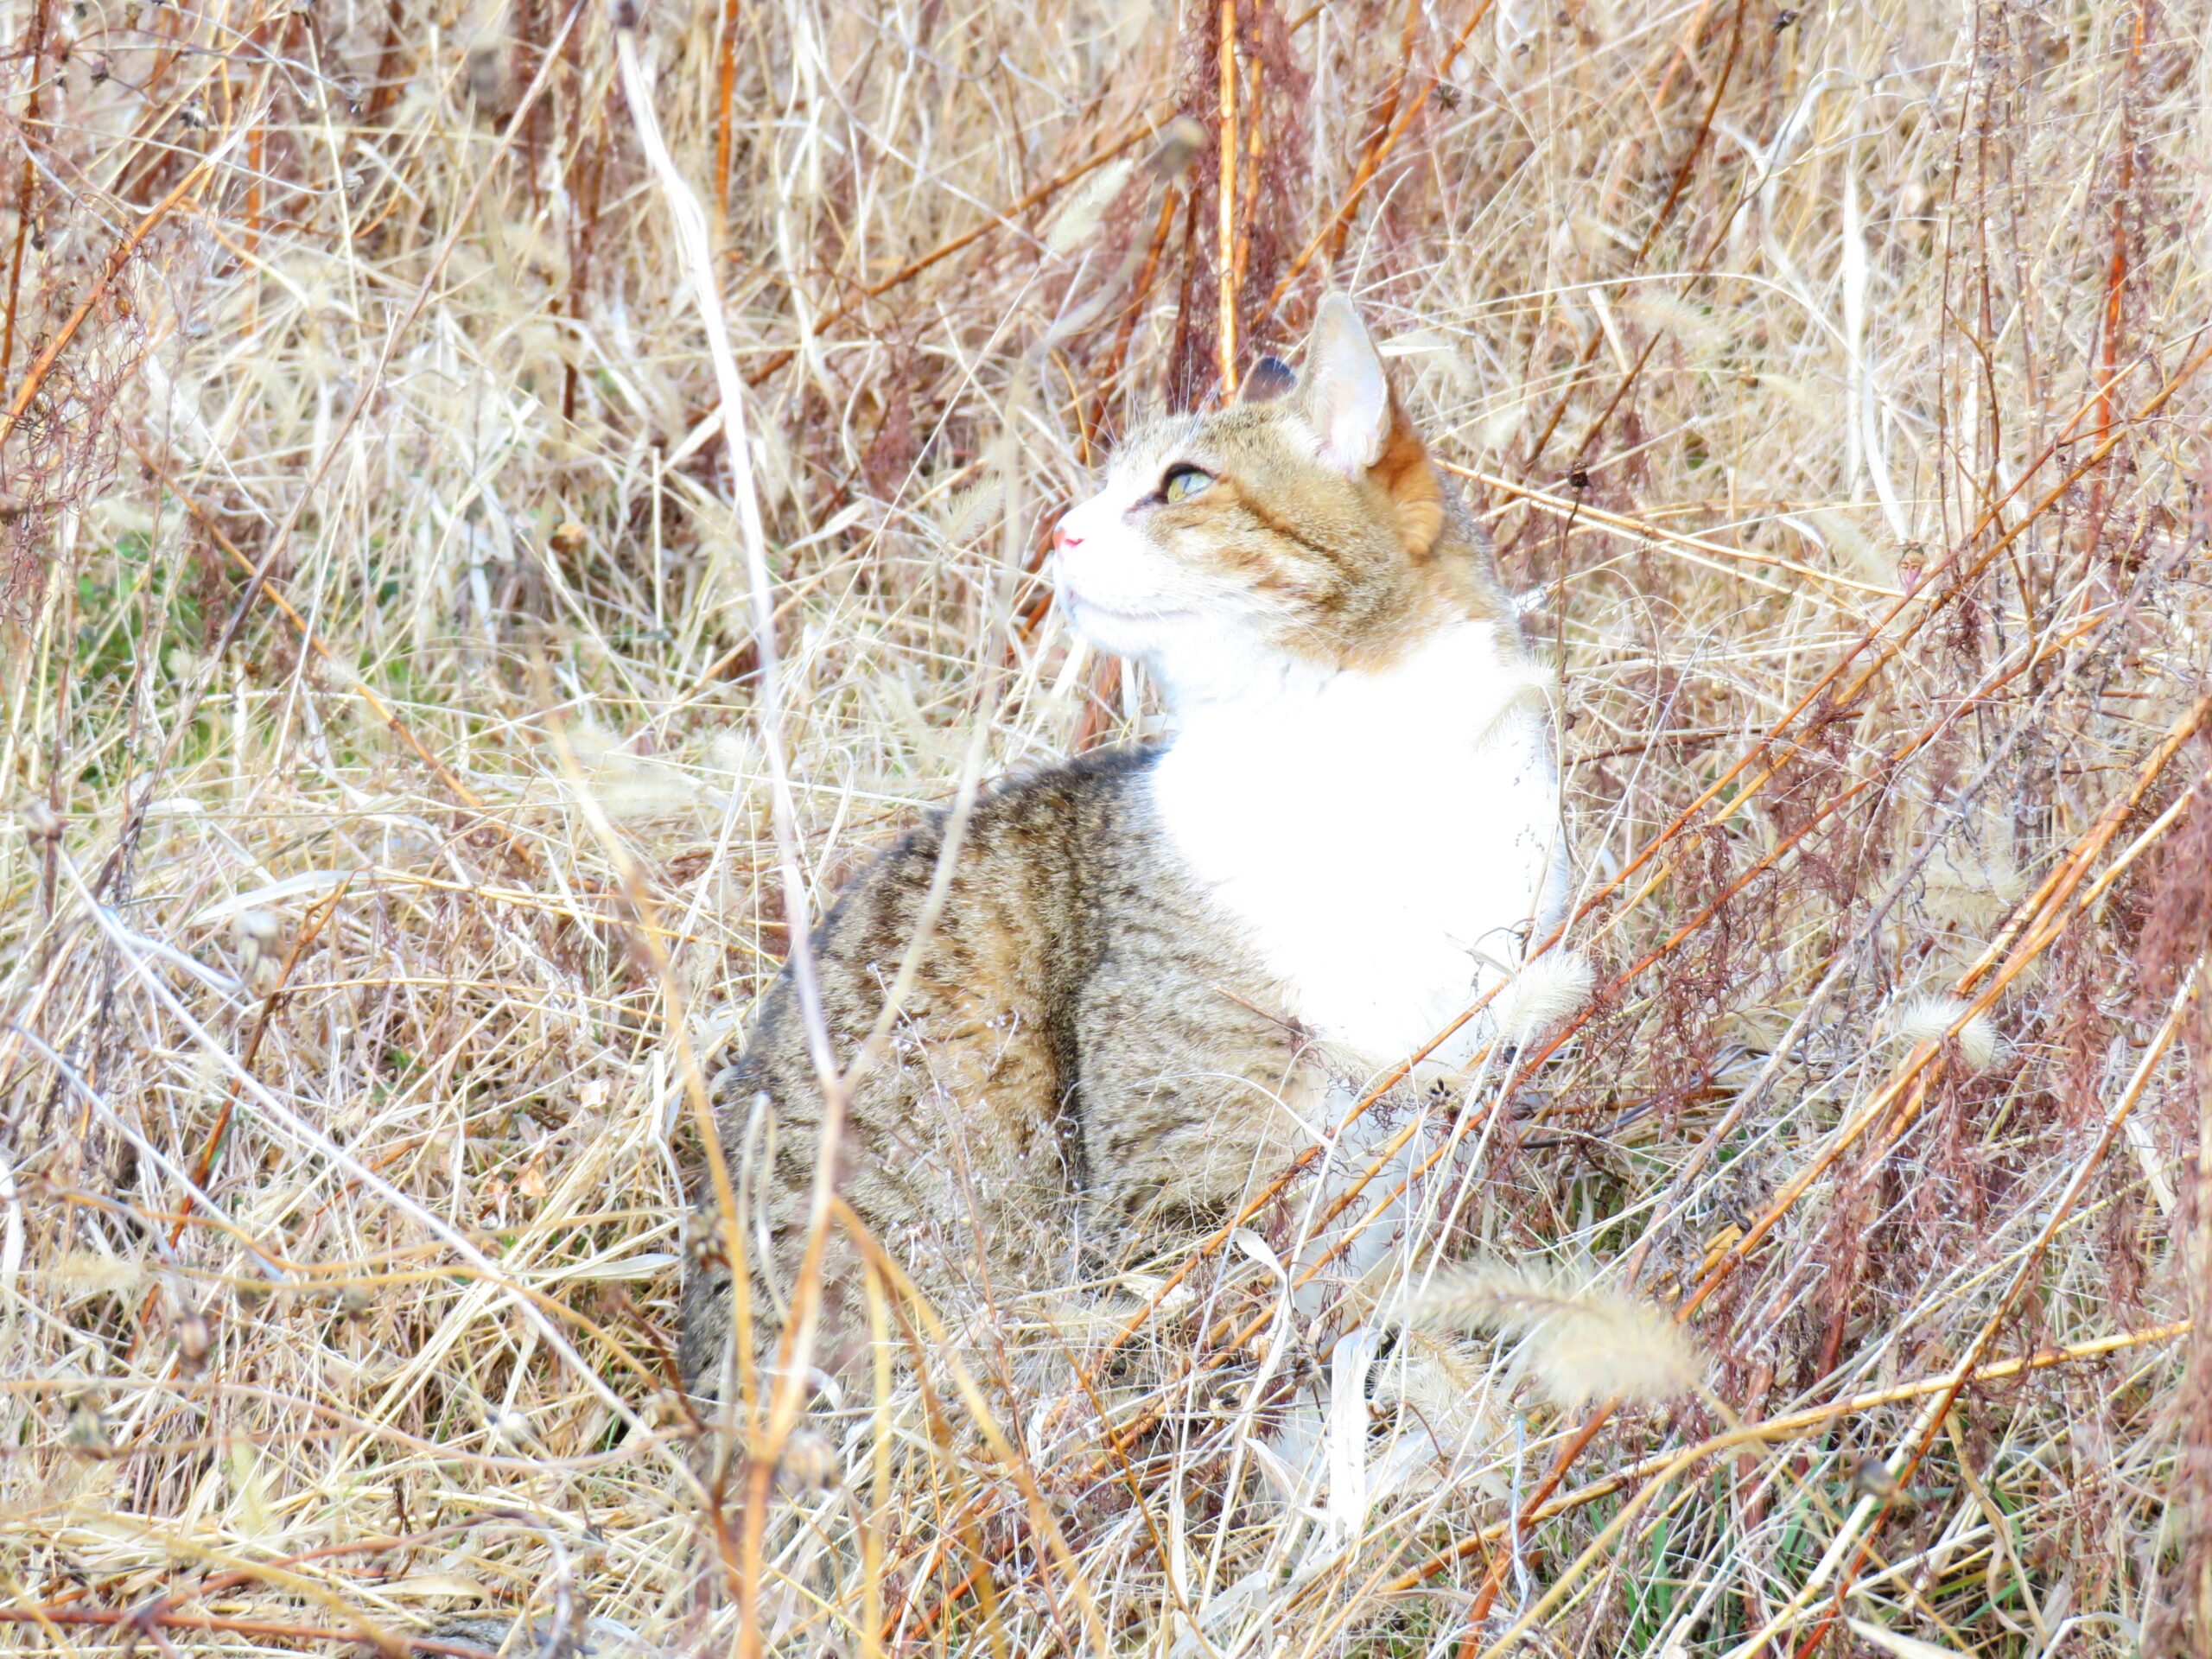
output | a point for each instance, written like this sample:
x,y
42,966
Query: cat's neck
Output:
x,y
1378,837
1446,691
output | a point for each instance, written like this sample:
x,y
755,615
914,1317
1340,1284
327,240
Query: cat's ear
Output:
x,y
1270,378
1362,430
1347,394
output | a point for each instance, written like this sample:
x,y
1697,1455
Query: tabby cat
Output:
x,y
1158,973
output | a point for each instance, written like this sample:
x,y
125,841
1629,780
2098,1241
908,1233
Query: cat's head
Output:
x,y
1305,524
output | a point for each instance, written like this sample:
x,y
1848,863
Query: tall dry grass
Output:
x,y
386,843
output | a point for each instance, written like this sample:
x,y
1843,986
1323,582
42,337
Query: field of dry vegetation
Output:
x,y
388,842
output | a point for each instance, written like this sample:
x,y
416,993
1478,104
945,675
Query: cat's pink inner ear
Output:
x,y
1347,394
1363,430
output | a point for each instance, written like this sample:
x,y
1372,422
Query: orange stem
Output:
x,y
118,257
906,273
1225,346
1374,158
27,184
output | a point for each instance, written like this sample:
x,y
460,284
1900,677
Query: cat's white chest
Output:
x,y
1385,840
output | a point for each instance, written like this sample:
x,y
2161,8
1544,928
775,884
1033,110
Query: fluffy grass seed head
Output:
x,y
1578,1342
1928,1019
1546,990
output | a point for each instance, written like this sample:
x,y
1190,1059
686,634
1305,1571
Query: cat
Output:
x,y
1157,973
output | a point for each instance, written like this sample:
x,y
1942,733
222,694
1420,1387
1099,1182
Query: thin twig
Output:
x,y
1226,256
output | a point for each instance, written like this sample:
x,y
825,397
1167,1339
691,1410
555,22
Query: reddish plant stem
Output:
x,y
1518,1526
1254,153
111,268
1675,189
2116,268
725,122
1178,355
27,183
586,171
385,92
1125,331
2050,903
1371,152
2036,924
906,273
2027,1272
529,52
1364,174
1225,333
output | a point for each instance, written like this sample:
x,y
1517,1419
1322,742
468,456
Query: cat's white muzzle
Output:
x,y
1129,599
1120,595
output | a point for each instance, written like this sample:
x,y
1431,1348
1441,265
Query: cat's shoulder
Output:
x,y
1047,810
1101,770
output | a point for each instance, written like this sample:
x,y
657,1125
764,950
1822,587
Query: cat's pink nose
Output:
x,y
1062,542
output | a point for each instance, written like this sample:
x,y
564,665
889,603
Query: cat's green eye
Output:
x,y
1182,483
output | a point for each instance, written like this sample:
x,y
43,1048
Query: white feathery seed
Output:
x,y
1546,990
1086,205
1928,1018
1578,1342
1971,880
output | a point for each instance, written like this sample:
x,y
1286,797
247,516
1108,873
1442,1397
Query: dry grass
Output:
x,y
386,790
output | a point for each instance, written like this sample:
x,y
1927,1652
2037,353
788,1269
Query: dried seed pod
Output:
x,y
1180,141
702,1240
487,77
194,1341
87,1435
1871,1477
809,1463
259,935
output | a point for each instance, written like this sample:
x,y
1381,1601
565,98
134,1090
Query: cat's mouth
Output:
x,y
1087,605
